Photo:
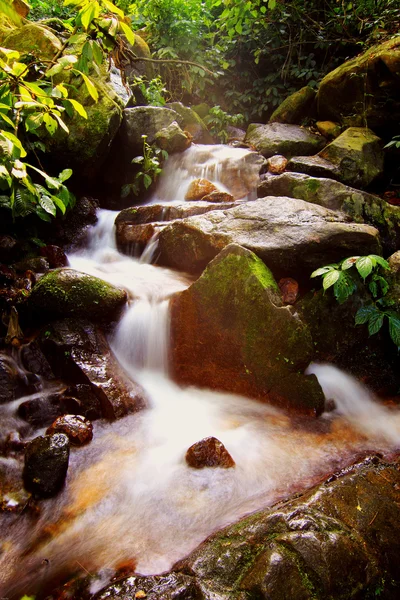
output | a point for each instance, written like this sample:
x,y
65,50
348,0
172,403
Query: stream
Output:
x,y
130,497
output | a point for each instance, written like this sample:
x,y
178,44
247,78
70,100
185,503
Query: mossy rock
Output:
x,y
279,138
6,28
364,88
230,332
69,293
192,123
35,39
296,107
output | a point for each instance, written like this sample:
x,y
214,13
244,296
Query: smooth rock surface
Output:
x,y
278,138
209,452
292,237
46,464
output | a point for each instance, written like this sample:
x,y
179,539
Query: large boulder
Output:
x,y
360,206
172,139
296,107
35,39
144,120
292,237
358,154
339,540
70,293
229,331
192,123
364,89
279,138
79,354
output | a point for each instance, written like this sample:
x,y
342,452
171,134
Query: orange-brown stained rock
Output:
x,y
209,452
277,164
289,289
199,188
78,429
218,197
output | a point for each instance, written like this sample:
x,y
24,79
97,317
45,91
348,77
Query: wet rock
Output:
x,y
290,236
72,229
209,452
40,412
66,292
80,399
199,188
55,256
192,123
329,129
46,464
13,497
289,140
289,290
78,353
7,275
172,139
358,154
277,164
132,239
229,331
296,107
37,264
235,134
35,361
360,206
14,442
13,384
78,429
314,165
218,197
370,81
144,120
173,586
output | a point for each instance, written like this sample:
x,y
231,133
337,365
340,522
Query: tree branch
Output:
x,y
173,61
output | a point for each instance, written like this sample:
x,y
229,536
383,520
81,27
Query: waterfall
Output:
x,y
129,494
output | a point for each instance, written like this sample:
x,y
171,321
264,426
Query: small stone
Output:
x,y
78,429
277,164
209,452
218,197
329,129
46,464
199,188
289,289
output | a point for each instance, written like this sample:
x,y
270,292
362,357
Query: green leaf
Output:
x,y
19,170
271,4
112,8
15,141
97,52
375,322
58,202
330,278
61,123
147,180
349,262
65,174
48,205
6,119
344,287
90,87
364,266
78,107
42,214
364,314
51,181
323,270
381,261
128,32
50,123
394,326
88,13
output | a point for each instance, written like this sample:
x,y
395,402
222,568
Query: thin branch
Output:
x,y
174,61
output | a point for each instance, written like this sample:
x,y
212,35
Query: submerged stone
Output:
x,y
209,452
46,464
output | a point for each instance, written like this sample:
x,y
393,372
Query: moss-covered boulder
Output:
x,y
192,123
34,38
364,88
292,237
296,107
172,139
230,332
358,154
329,129
279,138
69,293
360,206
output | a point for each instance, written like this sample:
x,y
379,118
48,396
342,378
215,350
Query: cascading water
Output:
x,y
130,496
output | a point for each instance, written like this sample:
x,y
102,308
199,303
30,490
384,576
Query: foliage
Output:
x,y
150,168
217,121
43,9
394,143
153,91
33,106
345,281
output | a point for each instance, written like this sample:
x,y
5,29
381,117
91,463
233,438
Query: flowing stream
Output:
x,y
130,496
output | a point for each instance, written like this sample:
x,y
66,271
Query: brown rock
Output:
x,y
277,164
200,188
78,429
209,452
289,289
55,255
329,129
21,7
218,197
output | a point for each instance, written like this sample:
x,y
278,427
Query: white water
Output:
x,y
129,495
